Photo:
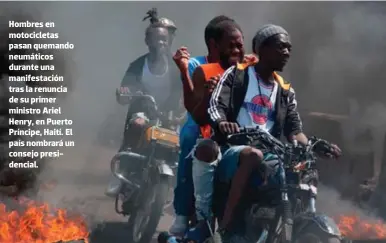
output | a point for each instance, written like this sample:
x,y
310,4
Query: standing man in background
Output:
x,y
153,73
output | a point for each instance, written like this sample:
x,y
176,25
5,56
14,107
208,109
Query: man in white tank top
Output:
x,y
153,73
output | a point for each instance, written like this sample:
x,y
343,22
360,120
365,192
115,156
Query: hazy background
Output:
x,y
337,63
338,47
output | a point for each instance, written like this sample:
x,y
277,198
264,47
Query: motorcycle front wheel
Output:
x,y
143,222
313,234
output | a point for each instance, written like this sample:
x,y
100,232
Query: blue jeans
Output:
x,y
184,192
230,162
226,167
203,178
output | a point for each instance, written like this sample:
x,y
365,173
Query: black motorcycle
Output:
x,y
282,210
146,172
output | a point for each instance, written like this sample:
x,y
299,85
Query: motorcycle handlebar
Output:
x,y
255,133
165,116
145,96
244,130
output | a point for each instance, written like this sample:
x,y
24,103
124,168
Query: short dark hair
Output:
x,y
222,27
209,29
254,44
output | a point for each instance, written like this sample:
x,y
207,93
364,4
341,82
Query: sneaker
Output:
x,y
179,226
200,233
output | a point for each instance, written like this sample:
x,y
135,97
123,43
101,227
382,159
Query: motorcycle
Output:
x,y
281,209
146,172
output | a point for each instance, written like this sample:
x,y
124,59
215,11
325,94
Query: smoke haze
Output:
x,y
338,51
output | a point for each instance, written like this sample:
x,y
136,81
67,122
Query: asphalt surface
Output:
x,y
81,177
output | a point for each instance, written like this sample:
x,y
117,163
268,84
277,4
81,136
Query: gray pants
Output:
x,y
115,184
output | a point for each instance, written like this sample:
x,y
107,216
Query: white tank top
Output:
x,y
158,86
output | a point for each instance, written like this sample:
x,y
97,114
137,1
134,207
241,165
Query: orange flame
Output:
x,y
354,227
40,224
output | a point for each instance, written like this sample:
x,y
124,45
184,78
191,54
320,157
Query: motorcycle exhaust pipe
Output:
x,y
116,162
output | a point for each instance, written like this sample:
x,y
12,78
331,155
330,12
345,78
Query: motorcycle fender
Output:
x,y
324,222
165,169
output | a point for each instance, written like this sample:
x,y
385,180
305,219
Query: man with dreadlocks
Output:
x,y
153,73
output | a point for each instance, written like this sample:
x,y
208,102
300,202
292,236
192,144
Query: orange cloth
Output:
x,y
210,70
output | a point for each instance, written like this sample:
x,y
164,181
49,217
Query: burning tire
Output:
x,y
143,222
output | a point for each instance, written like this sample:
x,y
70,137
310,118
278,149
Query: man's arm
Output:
x,y
128,85
197,103
293,127
130,79
186,77
219,101
188,84
186,66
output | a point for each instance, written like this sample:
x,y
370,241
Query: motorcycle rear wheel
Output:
x,y
143,225
313,234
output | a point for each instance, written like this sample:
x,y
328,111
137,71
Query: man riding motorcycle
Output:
x,y
153,73
221,35
190,132
254,95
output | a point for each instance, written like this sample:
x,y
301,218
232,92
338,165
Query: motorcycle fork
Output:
x,y
133,198
149,178
275,233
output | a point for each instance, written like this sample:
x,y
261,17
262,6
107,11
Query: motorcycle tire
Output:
x,y
161,193
313,234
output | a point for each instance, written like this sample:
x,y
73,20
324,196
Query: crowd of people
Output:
x,y
221,91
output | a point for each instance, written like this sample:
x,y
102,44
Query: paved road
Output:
x,y
82,176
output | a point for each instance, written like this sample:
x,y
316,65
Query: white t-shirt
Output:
x,y
158,86
258,109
